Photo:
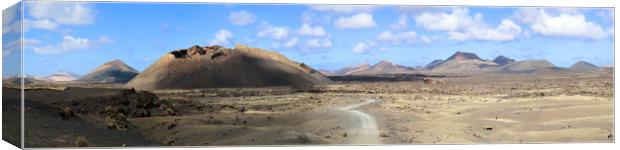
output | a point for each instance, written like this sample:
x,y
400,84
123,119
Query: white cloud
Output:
x,y
14,27
14,45
426,39
275,32
70,43
387,38
313,18
506,31
10,20
311,31
456,20
285,38
310,45
10,46
73,13
39,24
395,38
382,49
222,37
562,24
248,41
319,43
462,27
105,40
30,42
526,15
241,18
291,42
398,38
569,10
607,14
343,8
357,21
401,23
360,48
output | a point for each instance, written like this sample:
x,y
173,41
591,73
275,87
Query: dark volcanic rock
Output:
x,y
501,60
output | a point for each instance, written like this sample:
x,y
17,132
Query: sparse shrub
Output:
x,y
417,97
141,112
110,109
117,121
309,88
383,135
81,141
171,140
66,113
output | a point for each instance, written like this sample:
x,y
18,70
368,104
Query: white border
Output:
x,y
521,3
557,3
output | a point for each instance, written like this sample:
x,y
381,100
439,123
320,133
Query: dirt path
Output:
x,y
365,131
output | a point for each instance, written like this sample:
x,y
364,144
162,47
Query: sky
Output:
x,y
78,37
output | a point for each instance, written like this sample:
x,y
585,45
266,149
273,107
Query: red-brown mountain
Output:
x,y
352,69
434,64
461,62
115,71
528,66
583,66
217,66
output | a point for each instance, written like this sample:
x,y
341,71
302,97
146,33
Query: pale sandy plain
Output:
x,y
467,110
497,108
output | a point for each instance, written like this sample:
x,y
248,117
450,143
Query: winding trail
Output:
x,y
365,130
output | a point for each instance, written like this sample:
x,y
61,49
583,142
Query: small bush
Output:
x,y
309,88
66,113
81,141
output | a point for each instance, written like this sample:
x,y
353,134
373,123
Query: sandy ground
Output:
x,y
463,110
366,131
542,120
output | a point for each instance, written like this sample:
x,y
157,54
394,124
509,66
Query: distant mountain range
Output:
x,y
463,62
16,80
216,66
115,71
382,67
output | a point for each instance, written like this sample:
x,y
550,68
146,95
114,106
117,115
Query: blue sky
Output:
x,y
78,37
